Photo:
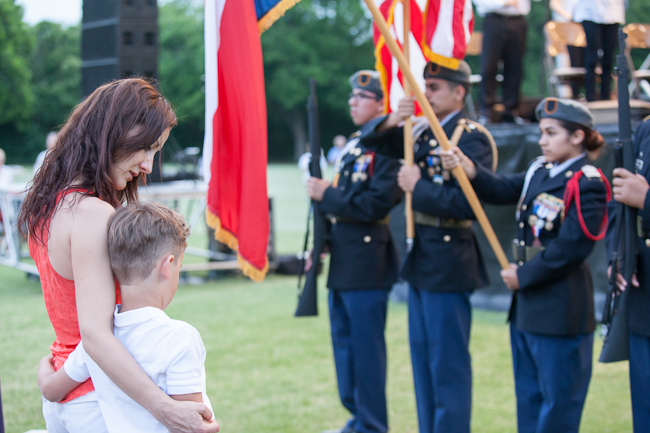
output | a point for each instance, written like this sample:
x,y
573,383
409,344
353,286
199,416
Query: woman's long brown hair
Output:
x,y
118,119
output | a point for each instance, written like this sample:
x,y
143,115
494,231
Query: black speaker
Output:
x,y
119,38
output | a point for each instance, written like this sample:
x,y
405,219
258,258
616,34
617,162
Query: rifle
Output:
x,y
615,315
308,297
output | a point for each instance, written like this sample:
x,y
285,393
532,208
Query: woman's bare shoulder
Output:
x,y
90,211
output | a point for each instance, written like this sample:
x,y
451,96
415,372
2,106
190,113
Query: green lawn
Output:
x,y
270,372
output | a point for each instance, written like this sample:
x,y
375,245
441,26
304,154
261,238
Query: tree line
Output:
x,y
325,39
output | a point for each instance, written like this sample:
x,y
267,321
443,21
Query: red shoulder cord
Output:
x,y
573,191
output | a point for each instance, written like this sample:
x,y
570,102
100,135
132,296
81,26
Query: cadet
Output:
x,y
445,265
561,212
632,190
364,260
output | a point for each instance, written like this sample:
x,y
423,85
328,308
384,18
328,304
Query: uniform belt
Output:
x,y
436,221
337,219
524,253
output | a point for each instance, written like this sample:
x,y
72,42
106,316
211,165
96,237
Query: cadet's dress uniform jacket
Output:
x,y
638,298
445,255
556,290
552,312
363,254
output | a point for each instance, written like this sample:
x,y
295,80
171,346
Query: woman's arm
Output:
x,y
95,297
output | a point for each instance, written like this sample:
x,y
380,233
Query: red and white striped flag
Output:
x,y
441,34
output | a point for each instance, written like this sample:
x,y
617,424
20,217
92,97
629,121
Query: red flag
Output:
x,y
235,148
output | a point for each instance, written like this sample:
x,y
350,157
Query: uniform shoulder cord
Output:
x,y
573,192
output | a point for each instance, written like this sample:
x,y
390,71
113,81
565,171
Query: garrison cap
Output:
x,y
367,80
460,76
565,109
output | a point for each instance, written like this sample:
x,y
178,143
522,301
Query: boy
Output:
x,y
146,244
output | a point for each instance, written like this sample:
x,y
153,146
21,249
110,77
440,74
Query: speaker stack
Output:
x,y
119,38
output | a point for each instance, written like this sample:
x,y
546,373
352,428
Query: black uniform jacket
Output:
x,y
442,259
363,255
556,291
638,298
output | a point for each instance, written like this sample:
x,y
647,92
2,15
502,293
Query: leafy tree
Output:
x,y
325,39
181,67
56,77
15,46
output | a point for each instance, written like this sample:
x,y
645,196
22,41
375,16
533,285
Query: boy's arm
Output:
x,y
196,396
54,385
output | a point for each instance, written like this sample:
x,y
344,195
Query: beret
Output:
x,y
367,80
565,109
461,75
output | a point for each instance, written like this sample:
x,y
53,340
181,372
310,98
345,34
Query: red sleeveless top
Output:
x,y
61,306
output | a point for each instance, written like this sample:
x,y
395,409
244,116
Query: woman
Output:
x,y
105,147
561,212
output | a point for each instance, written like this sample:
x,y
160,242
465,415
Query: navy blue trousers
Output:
x,y
439,327
640,382
358,320
552,376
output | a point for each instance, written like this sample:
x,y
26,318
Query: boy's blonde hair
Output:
x,y
141,234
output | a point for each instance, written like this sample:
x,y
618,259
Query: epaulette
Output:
x,y
591,172
471,126
646,118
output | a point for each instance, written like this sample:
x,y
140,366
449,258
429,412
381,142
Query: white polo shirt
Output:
x,y
170,351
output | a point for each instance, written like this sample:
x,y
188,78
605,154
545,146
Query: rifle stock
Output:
x,y
615,316
308,297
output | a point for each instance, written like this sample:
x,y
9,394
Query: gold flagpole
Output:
x,y
408,128
440,135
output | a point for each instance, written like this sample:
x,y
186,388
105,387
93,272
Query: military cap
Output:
x,y
565,109
460,76
367,80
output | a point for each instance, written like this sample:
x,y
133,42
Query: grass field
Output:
x,y
270,372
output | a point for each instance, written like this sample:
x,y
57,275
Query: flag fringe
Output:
x,y
225,237
447,62
275,14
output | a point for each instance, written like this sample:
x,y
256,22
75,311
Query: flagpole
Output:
x,y
440,135
408,128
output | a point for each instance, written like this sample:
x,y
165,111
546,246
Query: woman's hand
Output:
x,y
186,417
454,157
510,277
408,176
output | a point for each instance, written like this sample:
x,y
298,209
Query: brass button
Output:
x,y
433,143
446,238
548,166
568,173
367,239
647,243
341,187
522,243
524,207
422,164
333,220
521,225
345,173
521,263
